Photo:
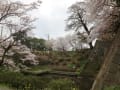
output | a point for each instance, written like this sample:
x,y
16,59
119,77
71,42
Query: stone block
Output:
x,y
116,59
113,68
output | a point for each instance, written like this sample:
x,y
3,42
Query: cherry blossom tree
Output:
x,y
15,22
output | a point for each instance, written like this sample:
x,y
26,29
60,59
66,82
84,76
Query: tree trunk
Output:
x,y
4,54
91,46
3,57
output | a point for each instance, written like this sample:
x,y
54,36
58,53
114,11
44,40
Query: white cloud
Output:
x,y
51,14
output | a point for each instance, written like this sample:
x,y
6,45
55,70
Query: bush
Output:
x,y
61,84
19,81
112,88
22,82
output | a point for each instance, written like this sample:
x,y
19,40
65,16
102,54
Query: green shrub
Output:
x,y
60,84
20,81
112,88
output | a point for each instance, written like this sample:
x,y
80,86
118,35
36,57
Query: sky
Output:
x,y
51,18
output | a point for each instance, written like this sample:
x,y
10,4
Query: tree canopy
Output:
x,y
35,43
93,19
15,22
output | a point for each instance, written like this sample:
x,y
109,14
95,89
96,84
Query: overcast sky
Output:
x,y
52,15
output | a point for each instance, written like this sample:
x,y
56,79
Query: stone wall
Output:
x,y
113,74
95,61
110,70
